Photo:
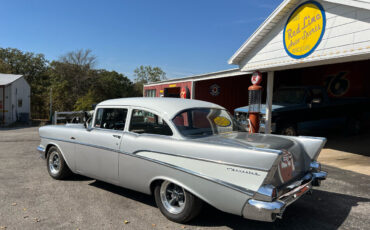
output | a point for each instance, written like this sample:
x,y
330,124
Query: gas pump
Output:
x,y
254,108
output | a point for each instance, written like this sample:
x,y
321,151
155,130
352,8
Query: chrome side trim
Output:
x,y
206,160
224,183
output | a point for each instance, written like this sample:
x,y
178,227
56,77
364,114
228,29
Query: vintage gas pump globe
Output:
x,y
255,94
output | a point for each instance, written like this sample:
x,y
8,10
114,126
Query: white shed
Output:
x,y
15,103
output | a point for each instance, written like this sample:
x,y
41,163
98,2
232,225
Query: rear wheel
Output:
x,y
176,203
56,165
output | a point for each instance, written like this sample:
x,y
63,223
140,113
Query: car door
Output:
x,y
97,148
146,130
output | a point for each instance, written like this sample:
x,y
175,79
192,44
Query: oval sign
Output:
x,y
304,29
222,121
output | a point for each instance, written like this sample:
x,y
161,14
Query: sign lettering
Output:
x,y
304,29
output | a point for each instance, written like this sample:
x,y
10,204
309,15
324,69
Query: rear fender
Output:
x,y
312,145
177,182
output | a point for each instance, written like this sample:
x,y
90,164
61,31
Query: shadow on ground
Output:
x,y
137,196
321,210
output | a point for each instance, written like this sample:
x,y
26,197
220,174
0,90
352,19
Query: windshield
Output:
x,y
205,122
289,96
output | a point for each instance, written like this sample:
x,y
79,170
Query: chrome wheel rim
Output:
x,y
172,197
54,163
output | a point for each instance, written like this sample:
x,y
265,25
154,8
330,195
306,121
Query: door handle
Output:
x,y
117,136
73,138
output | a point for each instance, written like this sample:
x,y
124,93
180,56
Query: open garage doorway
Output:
x,y
172,92
323,99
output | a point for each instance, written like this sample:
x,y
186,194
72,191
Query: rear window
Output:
x,y
143,121
205,122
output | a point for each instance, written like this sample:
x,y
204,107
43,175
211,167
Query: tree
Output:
x,y
147,74
106,85
81,58
71,78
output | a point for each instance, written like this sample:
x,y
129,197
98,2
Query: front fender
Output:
x,y
66,156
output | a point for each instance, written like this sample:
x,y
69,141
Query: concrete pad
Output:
x,y
345,160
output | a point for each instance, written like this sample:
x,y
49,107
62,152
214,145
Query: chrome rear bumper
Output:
x,y
269,211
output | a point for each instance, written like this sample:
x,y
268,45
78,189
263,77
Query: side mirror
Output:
x,y
87,124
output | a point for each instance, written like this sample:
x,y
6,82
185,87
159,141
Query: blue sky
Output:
x,y
182,37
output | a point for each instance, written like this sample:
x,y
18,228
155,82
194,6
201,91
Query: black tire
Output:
x,y
56,165
191,209
289,130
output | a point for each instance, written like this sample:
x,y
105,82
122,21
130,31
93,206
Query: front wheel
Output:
x,y
56,165
176,203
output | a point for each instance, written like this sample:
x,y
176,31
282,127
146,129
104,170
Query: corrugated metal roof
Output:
x,y
6,79
284,8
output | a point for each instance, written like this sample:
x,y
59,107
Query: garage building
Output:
x,y
14,99
322,43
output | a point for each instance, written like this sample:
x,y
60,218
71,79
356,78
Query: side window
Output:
x,y
146,122
107,118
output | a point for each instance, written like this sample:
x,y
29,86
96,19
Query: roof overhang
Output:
x,y
279,13
202,77
7,79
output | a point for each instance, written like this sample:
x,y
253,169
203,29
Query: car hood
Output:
x,y
275,108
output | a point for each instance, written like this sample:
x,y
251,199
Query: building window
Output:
x,y
150,93
20,102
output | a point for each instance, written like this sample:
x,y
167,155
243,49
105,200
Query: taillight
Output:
x,y
286,167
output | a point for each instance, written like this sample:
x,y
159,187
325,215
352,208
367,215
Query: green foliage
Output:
x,y
147,74
75,84
106,85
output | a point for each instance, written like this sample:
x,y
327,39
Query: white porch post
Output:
x,y
270,89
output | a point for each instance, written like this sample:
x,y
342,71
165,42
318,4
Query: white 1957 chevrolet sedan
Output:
x,y
185,153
